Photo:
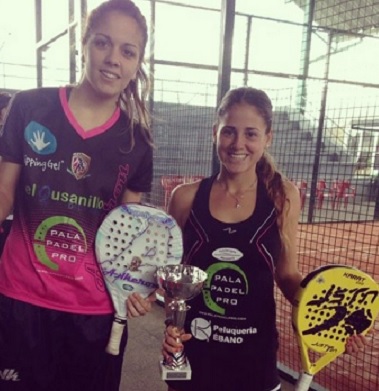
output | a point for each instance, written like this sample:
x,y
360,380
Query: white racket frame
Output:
x,y
144,216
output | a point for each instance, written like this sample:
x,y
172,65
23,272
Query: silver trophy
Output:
x,y
181,283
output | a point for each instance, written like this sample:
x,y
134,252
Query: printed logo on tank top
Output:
x,y
40,139
230,230
227,283
80,165
225,289
206,330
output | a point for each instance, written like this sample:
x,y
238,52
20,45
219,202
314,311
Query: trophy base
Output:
x,y
175,373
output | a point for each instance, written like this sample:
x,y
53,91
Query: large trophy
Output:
x,y
181,283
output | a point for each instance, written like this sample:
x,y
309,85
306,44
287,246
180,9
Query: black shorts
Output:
x,y
48,350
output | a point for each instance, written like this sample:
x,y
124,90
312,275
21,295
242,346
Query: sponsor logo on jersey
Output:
x,y
46,193
80,164
40,139
59,240
44,165
9,375
122,178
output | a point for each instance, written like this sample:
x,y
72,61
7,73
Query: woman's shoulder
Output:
x,y
186,191
290,188
141,133
37,92
181,201
36,97
292,195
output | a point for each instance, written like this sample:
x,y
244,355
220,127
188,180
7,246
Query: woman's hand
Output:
x,y
355,344
136,305
173,342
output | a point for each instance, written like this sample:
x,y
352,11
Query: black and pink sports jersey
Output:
x,y
70,179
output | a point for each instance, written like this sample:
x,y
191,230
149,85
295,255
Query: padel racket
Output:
x,y
132,241
333,303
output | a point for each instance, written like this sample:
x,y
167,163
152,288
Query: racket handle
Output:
x,y
304,382
113,346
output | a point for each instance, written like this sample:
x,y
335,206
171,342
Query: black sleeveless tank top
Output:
x,y
236,309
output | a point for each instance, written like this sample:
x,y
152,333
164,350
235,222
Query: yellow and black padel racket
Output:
x,y
333,303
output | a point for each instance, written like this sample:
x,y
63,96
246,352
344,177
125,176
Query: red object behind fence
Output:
x,y
169,182
341,191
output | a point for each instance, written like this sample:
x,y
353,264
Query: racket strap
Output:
x,y
119,321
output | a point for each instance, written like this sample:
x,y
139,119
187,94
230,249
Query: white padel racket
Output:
x,y
132,241
333,303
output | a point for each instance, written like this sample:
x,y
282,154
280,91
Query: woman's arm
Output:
x,y
287,274
9,176
131,196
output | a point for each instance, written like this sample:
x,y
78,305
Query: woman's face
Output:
x,y
241,138
113,54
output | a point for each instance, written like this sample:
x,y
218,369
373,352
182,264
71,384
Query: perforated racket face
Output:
x,y
132,241
334,303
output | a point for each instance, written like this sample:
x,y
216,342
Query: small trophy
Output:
x,y
181,283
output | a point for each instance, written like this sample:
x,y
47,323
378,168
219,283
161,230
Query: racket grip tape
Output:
x,y
113,346
304,382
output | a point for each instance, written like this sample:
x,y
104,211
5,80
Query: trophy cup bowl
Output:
x,y
181,283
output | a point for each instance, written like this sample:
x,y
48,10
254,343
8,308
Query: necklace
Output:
x,y
238,198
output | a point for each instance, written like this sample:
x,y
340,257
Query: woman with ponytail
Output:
x,y
240,226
